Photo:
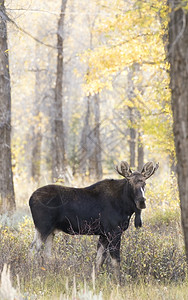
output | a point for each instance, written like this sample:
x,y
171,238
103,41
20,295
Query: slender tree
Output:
x,y
98,146
7,199
83,151
36,134
58,167
178,57
94,141
90,150
131,116
135,135
132,137
140,151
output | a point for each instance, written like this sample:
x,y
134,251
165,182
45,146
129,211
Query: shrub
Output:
x,y
154,252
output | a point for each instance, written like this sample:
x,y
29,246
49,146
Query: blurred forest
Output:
x,y
89,87
84,85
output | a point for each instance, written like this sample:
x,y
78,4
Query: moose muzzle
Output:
x,y
140,199
141,203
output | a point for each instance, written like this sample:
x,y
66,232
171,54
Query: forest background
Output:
x,y
89,88
116,98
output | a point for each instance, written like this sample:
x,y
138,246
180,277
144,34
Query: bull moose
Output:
x,y
103,209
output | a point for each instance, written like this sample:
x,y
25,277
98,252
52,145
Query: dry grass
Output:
x,y
153,259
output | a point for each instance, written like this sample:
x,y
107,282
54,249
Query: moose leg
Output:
x,y
40,241
114,248
48,245
101,251
36,246
34,240
37,241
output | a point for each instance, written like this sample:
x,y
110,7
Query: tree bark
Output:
x,y
36,135
94,142
132,131
83,161
58,167
132,138
140,151
36,150
90,158
7,198
98,148
178,58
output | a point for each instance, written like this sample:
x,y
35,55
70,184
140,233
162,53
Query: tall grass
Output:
x,y
153,260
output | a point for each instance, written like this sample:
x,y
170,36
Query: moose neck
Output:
x,y
128,197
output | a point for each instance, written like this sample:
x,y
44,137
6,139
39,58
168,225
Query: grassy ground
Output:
x,y
153,260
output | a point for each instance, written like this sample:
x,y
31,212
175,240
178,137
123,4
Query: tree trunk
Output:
x,y
140,145
132,134
7,198
98,148
132,138
94,142
36,149
178,57
83,161
90,158
58,168
140,151
37,135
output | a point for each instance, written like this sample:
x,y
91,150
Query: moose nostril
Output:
x,y
141,204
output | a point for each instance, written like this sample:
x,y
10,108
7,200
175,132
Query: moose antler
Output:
x,y
149,169
123,169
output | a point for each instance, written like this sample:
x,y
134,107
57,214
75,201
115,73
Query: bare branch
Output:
x,y
7,18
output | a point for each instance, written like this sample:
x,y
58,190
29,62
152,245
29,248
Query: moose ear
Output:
x,y
149,169
123,169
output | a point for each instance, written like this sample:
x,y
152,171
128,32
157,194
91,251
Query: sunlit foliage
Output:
x,y
133,38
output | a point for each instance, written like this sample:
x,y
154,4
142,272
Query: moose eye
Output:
x,y
141,183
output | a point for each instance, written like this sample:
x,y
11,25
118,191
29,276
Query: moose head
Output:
x,y
137,180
